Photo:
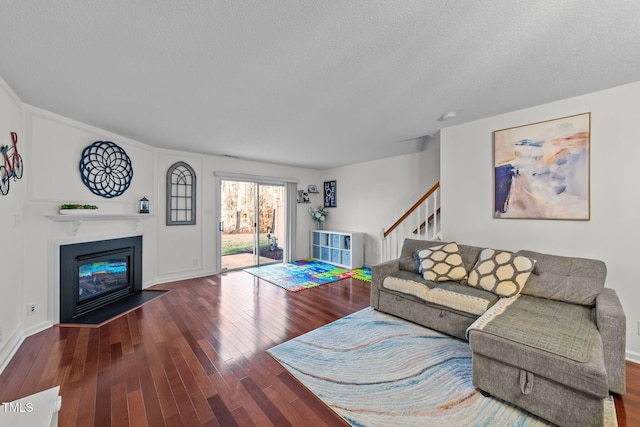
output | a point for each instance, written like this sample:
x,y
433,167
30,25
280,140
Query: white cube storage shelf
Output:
x,y
341,248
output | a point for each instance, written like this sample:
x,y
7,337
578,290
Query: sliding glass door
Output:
x,y
252,223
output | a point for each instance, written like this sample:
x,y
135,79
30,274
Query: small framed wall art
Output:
x,y
330,200
541,170
303,197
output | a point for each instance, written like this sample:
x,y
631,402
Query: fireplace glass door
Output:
x,y
101,276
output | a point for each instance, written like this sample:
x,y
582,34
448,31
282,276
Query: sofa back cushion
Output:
x,y
570,279
409,260
470,255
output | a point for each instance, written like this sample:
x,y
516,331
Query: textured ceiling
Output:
x,y
308,83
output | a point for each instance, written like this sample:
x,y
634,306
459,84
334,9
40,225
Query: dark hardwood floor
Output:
x,y
196,356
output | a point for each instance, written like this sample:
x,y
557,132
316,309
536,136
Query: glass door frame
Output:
x,y
289,222
258,224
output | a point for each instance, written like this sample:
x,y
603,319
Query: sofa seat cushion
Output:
x,y
409,283
461,298
557,340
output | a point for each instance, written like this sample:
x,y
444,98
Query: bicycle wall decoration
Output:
x,y
12,164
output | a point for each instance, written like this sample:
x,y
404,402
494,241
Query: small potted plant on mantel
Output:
x,y
75,209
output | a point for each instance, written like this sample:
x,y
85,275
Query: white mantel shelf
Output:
x,y
78,219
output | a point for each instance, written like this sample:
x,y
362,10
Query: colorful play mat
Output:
x,y
305,274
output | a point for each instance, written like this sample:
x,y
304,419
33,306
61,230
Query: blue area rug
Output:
x,y
305,274
374,369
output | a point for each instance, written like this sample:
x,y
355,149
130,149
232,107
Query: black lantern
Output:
x,y
144,205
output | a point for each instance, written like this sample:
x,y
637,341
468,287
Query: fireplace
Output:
x,y
96,274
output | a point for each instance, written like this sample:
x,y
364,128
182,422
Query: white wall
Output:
x,y
373,195
370,196
51,146
180,248
368,200
611,235
169,252
11,226
55,145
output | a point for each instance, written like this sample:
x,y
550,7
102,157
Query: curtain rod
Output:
x,y
250,177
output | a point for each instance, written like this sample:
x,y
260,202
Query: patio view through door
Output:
x,y
252,223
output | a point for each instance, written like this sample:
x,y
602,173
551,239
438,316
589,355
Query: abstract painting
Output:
x,y
541,170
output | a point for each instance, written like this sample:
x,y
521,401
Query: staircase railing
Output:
x,y
420,221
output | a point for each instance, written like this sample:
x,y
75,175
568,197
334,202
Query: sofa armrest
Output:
x,y
611,322
378,273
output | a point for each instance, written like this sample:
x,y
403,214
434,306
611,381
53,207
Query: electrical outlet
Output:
x,y
195,262
31,309
638,327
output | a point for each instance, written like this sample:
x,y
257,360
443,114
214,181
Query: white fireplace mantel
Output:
x,y
78,219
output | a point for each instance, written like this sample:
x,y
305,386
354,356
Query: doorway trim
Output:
x,y
290,193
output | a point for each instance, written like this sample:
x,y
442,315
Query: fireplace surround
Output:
x,y
96,274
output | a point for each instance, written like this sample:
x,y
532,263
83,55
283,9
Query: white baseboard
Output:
x,y
15,341
37,328
9,350
176,278
633,357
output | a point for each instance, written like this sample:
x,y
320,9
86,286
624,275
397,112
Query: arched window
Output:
x,y
181,194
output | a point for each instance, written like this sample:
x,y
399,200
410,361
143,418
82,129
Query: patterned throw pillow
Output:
x,y
442,263
501,272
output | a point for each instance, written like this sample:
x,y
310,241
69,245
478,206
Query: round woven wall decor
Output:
x,y
106,169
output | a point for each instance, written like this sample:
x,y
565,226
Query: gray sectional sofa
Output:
x,y
551,341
